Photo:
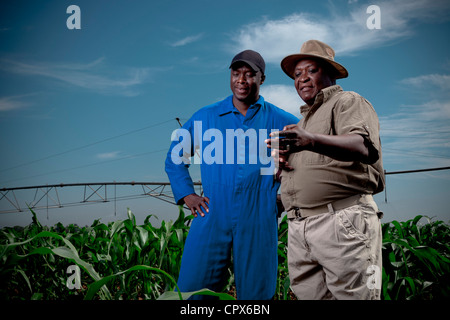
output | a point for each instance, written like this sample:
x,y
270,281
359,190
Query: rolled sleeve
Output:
x,y
355,115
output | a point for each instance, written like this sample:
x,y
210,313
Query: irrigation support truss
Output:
x,y
48,196
98,192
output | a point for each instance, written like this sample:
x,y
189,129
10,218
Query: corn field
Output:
x,y
125,261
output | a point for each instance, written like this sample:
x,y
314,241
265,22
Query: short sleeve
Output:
x,y
354,114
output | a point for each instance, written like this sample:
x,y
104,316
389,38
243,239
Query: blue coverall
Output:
x,y
242,217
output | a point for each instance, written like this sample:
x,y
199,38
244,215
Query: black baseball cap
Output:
x,y
252,58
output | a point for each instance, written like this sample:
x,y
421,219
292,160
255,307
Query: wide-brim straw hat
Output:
x,y
317,50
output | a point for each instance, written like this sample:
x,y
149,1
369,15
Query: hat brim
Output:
x,y
289,63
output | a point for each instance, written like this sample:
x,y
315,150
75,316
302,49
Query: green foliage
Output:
x,y
416,261
123,260
283,290
120,260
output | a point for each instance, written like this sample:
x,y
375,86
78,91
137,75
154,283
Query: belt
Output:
x,y
335,205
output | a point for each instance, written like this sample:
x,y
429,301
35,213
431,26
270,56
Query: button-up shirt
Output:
x,y
317,179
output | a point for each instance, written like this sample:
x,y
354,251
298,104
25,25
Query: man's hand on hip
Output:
x,y
197,204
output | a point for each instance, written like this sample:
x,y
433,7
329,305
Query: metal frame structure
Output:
x,y
93,193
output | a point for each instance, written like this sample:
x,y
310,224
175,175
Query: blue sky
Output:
x,y
99,104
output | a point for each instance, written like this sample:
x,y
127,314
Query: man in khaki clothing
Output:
x,y
330,166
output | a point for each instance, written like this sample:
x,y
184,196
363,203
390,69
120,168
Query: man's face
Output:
x,y
310,77
245,83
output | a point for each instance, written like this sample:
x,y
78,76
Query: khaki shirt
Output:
x,y
317,179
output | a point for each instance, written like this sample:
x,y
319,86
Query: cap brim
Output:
x,y
249,63
289,63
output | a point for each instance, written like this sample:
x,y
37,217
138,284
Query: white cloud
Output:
x,y
421,131
187,40
94,76
441,81
274,39
283,96
13,103
345,31
418,135
108,155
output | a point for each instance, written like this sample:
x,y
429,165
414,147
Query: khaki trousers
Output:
x,y
337,254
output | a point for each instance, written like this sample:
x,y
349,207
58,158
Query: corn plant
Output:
x,y
120,260
416,261
123,260
283,290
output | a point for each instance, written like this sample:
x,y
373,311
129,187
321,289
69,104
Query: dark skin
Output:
x,y
245,84
310,78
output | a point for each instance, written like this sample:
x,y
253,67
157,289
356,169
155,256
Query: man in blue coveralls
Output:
x,y
238,213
